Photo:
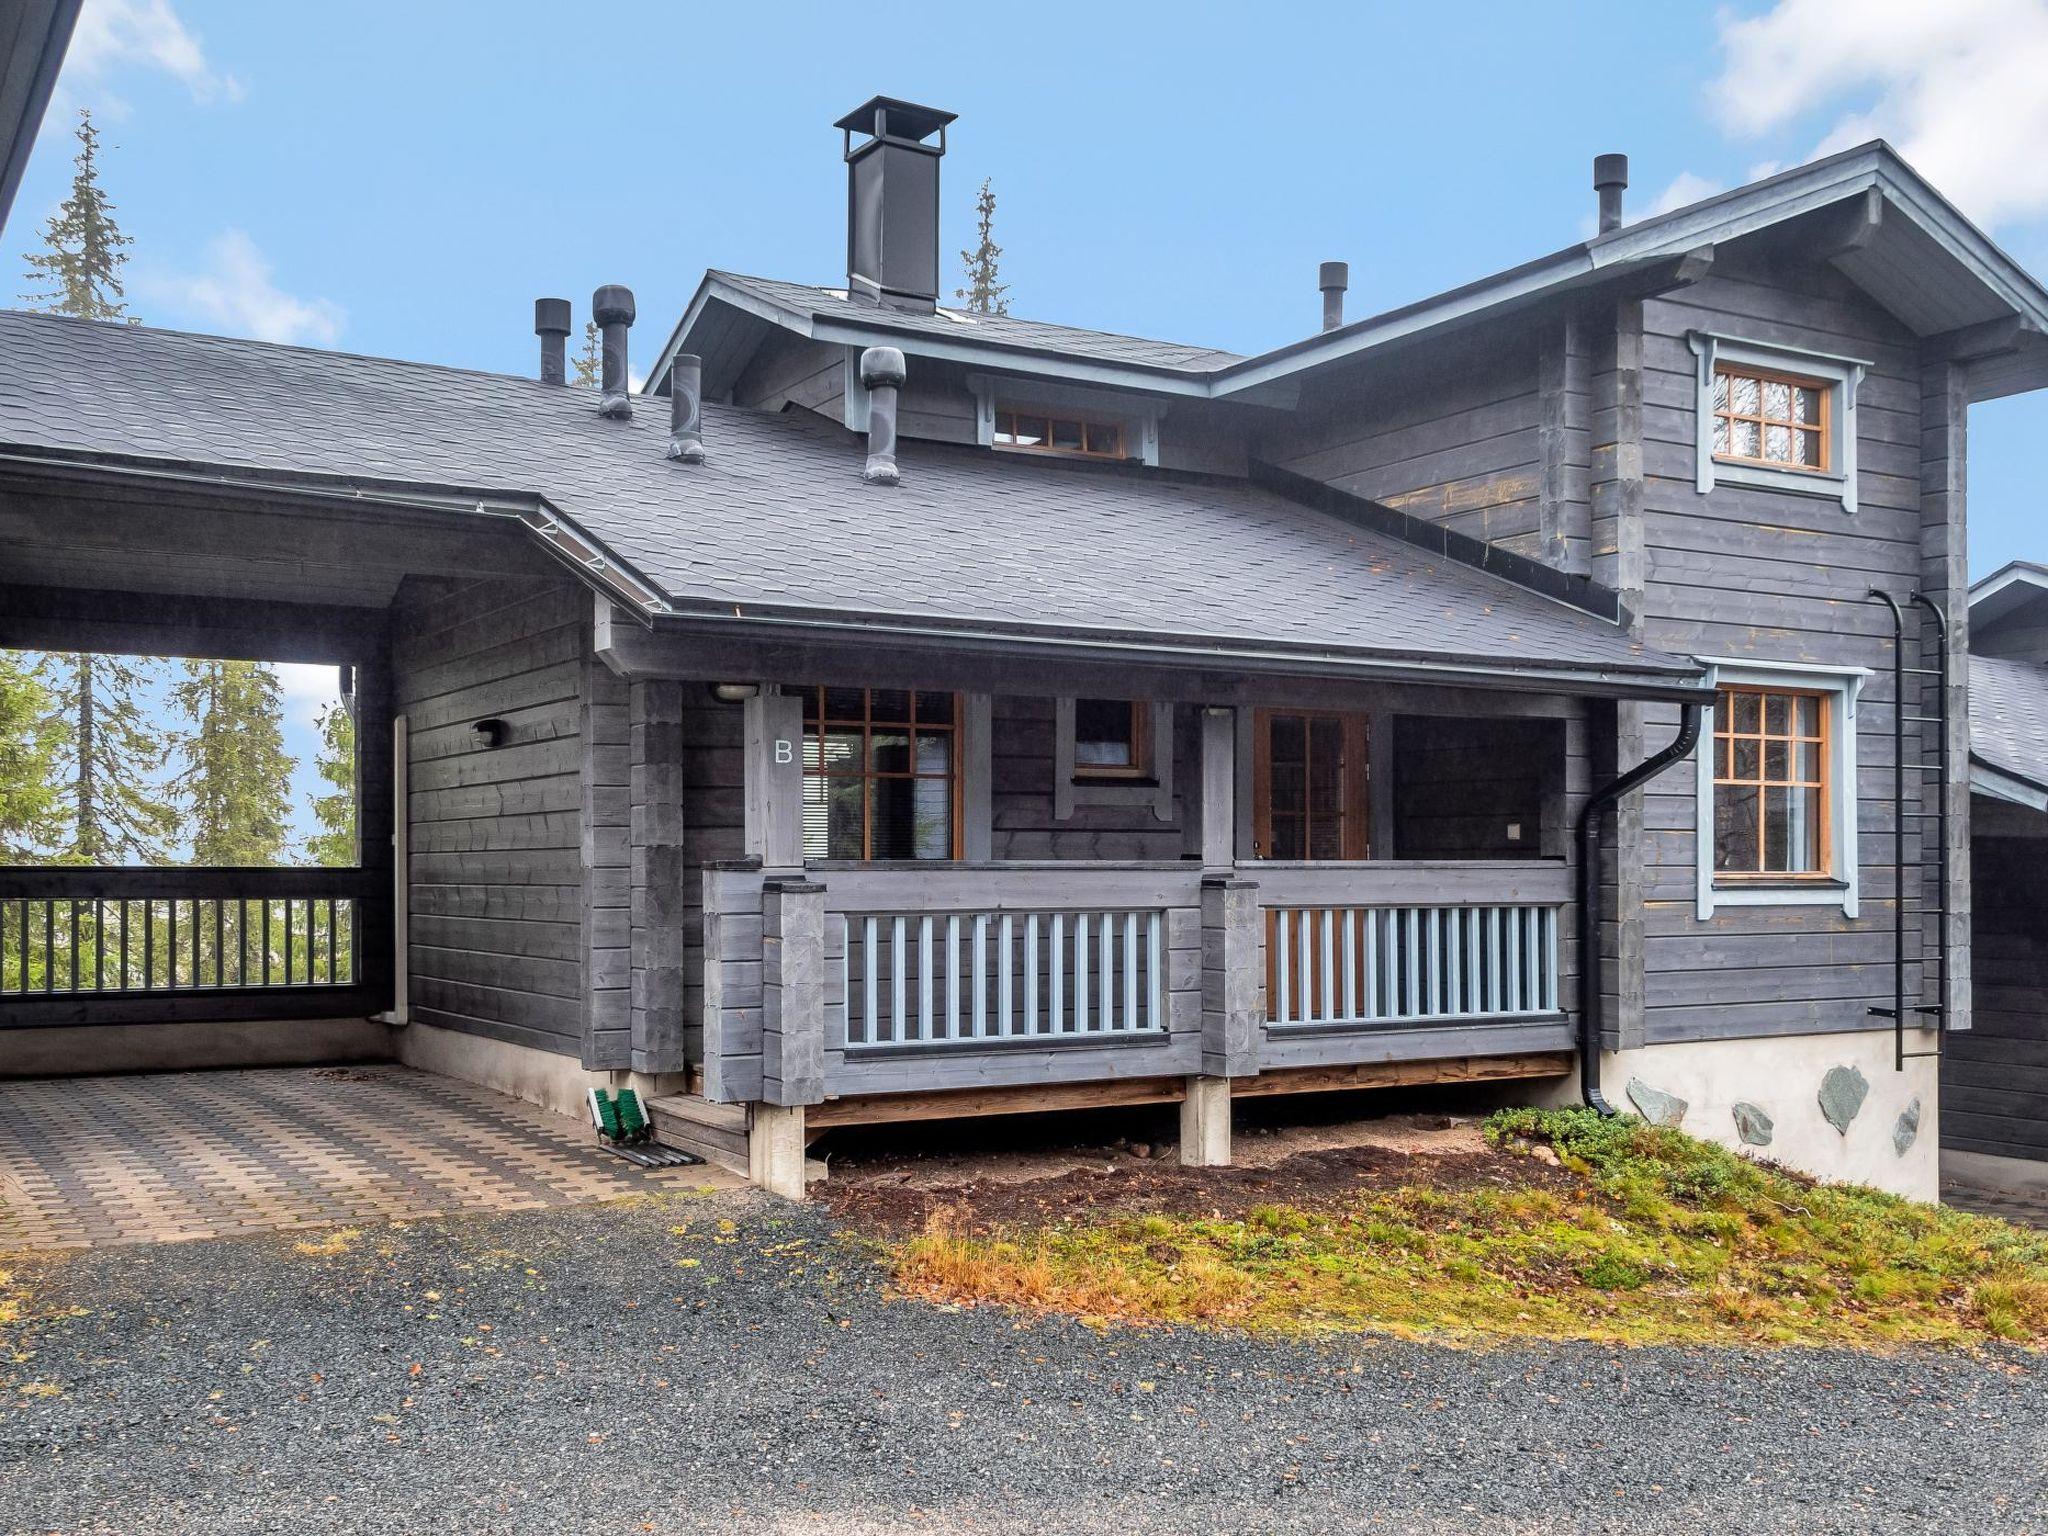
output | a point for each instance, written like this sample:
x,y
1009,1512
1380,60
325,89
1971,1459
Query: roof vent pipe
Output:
x,y
1333,277
612,308
551,325
882,374
1610,180
686,409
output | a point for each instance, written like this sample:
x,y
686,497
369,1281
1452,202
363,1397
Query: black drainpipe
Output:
x,y
1589,897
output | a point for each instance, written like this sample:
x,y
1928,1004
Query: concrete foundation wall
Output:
x,y
547,1078
1783,1077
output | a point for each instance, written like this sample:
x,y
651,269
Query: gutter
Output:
x,y
1590,915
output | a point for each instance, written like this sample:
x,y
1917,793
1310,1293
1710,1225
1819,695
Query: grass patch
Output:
x,y
1641,1235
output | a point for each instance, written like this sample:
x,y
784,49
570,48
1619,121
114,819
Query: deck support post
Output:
x,y
793,992
1205,1123
775,1149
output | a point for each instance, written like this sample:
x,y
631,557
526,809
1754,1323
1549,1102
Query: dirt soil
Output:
x,y
1307,1166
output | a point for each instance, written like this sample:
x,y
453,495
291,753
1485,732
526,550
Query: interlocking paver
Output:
x,y
174,1156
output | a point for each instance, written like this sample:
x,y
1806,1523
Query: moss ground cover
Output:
x,y
1637,1235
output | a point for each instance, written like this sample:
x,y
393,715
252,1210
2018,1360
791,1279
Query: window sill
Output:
x,y
1826,484
1781,893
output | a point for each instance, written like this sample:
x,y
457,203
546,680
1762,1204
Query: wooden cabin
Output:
x,y
900,713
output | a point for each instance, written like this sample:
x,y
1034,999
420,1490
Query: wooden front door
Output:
x,y
1309,797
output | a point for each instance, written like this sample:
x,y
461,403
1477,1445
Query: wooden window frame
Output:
x,y
1140,767
1722,770
1356,836
815,725
1823,430
1049,415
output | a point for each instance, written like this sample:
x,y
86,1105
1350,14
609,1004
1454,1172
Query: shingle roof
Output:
x,y
2009,716
988,330
779,520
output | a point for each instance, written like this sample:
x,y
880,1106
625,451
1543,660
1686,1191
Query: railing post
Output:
x,y
774,772
1233,1015
793,992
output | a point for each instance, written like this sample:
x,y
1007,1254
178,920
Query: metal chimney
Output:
x,y
1333,277
686,409
882,374
1610,180
612,308
892,203
551,325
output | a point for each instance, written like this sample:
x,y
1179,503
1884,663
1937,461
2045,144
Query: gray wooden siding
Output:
x,y
714,831
1022,795
790,370
1455,435
1746,572
1461,784
1994,1079
501,923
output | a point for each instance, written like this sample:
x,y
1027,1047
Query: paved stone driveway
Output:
x,y
165,1157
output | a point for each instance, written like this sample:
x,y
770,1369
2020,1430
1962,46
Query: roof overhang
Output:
x,y
30,57
2003,784
2006,591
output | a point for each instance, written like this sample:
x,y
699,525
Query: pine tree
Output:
x,y
79,271
119,814
984,295
234,773
334,845
589,363
32,744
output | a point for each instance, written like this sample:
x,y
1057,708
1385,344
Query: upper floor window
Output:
x,y
1112,739
1058,432
881,774
1771,418
1770,784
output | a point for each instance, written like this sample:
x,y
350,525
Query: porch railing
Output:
x,y
68,932
1404,944
964,958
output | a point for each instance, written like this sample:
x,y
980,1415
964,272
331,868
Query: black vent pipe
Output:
x,y
1589,896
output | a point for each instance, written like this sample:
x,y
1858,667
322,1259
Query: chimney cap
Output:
x,y
1610,171
882,366
889,117
612,305
1333,274
551,317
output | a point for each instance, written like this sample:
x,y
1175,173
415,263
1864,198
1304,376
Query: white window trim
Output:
x,y
1069,791
1841,375
1140,417
1840,688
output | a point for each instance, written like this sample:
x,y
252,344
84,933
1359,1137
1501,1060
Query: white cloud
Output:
x,y
114,33
236,292
1686,188
1957,87
308,687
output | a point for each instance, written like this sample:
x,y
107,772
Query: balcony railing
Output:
x,y
69,932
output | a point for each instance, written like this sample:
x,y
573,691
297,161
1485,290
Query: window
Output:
x,y
1769,418
1777,787
1112,739
1770,785
1051,432
1775,417
881,777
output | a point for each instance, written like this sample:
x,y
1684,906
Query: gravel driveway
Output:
x,y
591,1369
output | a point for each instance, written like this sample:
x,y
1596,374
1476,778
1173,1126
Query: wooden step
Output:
x,y
715,1132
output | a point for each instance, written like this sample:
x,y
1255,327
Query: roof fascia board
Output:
x,y
2003,784
2018,573
1649,683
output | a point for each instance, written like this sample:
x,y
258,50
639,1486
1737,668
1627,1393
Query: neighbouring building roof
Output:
x,y
778,525
37,34
2009,723
1898,239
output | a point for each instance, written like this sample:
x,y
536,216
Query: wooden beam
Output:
x,y
968,1103
1402,1074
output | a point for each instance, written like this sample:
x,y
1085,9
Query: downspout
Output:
x,y
1589,896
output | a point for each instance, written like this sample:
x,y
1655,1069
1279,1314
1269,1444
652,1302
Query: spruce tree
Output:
x,y
78,272
32,745
119,813
983,293
234,773
589,363
334,845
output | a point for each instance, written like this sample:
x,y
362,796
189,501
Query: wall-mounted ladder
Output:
x,y
1931,635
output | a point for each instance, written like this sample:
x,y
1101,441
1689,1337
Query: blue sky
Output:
x,y
406,179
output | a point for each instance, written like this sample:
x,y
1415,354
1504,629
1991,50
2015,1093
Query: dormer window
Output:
x,y
1035,431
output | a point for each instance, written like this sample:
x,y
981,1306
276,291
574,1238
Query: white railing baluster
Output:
x,y
1513,915
1130,970
1283,926
1106,929
1031,974
1081,1012
1551,963
980,970
924,979
1350,962
1370,919
953,976
1305,980
899,1014
1006,936
1411,956
1436,954
1454,961
1155,959
1059,969
870,976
